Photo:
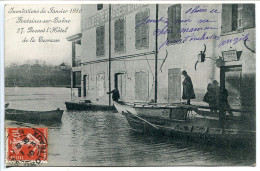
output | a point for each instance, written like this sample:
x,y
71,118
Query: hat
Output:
x,y
215,82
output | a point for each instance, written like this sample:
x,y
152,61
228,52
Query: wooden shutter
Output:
x,y
174,85
170,22
100,41
119,35
174,14
248,16
177,26
142,32
141,86
226,22
145,31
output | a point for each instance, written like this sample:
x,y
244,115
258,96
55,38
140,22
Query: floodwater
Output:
x,y
105,139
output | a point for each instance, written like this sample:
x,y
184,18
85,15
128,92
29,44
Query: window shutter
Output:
x,y
248,16
145,35
226,22
174,14
100,41
142,32
177,26
170,22
119,36
137,30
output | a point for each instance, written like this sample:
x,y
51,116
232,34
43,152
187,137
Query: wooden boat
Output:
x,y
191,130
177,111
173,111
34,116
87,106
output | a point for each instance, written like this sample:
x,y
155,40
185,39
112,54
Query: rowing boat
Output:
x,y
34,116
87,106
191,130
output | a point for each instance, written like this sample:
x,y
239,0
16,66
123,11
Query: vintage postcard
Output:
x,y
137,84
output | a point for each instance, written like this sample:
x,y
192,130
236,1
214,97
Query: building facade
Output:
x,y
118,49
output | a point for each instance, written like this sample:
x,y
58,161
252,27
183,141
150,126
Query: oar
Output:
x,y
144,120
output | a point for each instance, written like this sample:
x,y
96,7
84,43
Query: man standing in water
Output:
x,y
188,91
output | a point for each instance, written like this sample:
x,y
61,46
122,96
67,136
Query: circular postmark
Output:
x,y
27,145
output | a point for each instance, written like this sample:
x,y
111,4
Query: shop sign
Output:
x,y
117,11
230,55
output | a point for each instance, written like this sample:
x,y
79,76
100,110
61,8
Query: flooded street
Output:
x,y
86,138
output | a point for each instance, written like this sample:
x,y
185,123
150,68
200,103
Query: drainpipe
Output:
x,y
109,57
156,55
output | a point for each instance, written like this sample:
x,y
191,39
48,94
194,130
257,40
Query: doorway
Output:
x,y
231,79
120,84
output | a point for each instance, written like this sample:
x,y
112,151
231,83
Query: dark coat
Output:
x,y
115,94
210,97
188,91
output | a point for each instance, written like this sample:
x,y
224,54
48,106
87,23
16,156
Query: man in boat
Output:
x,y
188,91
115,94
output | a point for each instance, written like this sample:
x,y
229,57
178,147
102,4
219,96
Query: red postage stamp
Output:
x,y
27,145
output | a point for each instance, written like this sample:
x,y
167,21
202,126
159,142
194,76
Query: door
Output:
x,y
233,82
141,86
174,85
120,84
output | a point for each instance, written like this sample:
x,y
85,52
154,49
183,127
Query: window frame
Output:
x,y
239,29
99,6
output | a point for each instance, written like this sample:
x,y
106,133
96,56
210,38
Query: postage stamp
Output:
x,y
26,146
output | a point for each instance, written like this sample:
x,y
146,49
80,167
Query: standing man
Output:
x,y
188,91
115,95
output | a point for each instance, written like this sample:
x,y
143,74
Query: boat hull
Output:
x,y
87,106
192,131
175,112
34,116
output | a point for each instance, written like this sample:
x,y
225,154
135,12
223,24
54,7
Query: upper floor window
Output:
x,y
141,31
174,24
119,35
100,41
99,6
236,17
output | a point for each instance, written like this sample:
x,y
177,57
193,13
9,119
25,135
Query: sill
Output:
x,y
241,30
142,48
101,56
119,53
170,44
232,32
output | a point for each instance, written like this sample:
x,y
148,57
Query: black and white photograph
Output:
x,y
137,84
